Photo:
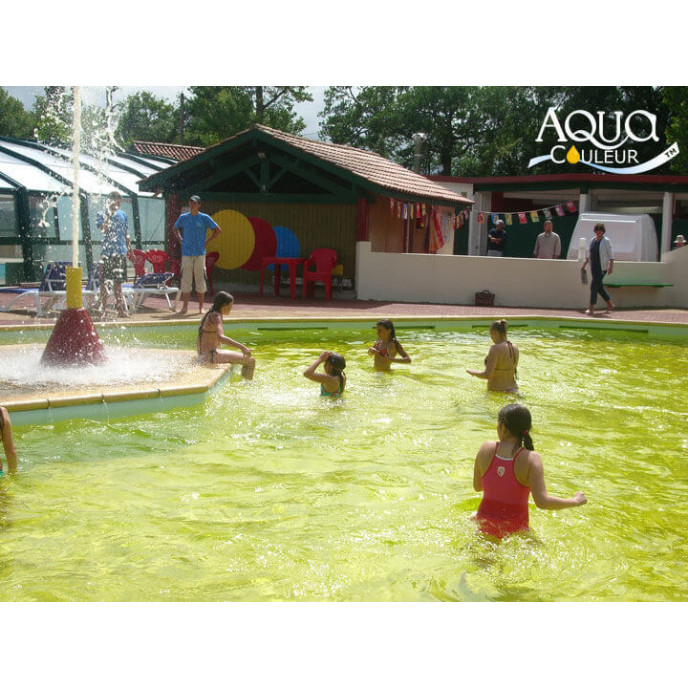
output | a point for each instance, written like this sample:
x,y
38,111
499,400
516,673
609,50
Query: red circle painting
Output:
x,y
266,243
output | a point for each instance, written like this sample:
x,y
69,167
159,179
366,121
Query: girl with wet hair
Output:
x,y
7,441
387,348
507,472
211,336
333,379
501,361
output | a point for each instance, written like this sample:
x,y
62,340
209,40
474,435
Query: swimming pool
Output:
x,y
268,492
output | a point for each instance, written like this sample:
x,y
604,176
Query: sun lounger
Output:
x,y
53,286
150,284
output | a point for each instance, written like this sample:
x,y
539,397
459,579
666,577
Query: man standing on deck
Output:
x,y
191,229
548,244
115,248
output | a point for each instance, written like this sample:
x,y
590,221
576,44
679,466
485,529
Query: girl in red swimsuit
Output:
x,y
508,471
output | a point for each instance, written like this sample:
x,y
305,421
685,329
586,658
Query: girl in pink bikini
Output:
x,y
508,471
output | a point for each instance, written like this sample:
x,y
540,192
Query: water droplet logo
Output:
x,y
573,156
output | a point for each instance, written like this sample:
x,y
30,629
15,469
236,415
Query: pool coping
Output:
x,y
109,401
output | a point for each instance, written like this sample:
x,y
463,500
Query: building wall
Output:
x,y
419,278
388,233
313,225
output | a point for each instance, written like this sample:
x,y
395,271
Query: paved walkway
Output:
x,y
253,306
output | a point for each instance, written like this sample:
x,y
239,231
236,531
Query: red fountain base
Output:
x,y
74,341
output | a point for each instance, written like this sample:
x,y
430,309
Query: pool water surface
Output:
x,y
270,492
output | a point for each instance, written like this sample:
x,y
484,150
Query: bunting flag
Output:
x,y
508,219
534,216
481,218
571,207
559,211
522,218
436,238
548,214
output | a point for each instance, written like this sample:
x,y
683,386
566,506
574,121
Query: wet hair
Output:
x,y
222,299
114,196
500,326
388,325
516,419
337,362
600,225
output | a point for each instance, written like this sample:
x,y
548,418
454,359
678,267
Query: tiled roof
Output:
x,y
167,150
371,167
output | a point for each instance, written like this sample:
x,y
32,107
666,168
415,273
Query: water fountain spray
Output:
x,y
74,340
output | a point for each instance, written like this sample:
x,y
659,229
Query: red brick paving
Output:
x,y
254,306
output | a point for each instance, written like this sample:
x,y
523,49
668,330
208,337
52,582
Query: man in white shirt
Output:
x,y
548,244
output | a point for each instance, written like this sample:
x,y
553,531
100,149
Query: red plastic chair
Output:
x,y
157,259
323,259
139,262
210,260
176,270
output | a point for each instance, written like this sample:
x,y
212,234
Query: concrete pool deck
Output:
x,y
252,306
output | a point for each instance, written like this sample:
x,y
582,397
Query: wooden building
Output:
x,y
277,194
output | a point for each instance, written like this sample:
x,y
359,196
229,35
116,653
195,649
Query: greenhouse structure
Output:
x,y
36,189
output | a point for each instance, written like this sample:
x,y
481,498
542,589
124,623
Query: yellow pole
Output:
x,y
74,296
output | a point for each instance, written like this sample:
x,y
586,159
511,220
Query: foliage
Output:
x,y
471,131
676,100
144,117
218,112
15,121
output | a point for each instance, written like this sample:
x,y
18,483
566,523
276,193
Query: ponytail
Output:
x,y
518,422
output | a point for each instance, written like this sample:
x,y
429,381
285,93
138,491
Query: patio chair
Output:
x,y
150,284
210,260
323,260
53,286
139,262
157,259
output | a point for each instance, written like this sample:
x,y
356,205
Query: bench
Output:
x,y
618,285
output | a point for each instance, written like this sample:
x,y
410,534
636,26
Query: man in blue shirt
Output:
x,y
191,229
114,249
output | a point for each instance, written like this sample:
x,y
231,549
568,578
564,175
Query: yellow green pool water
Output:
x,y
269,492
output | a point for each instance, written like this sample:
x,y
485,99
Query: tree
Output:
x,y
676,100
218,112
147,118
54,115
473,131
15,121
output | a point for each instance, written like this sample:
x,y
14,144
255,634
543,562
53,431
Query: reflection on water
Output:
x,y
269,492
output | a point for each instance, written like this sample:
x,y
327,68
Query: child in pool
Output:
x,y
387,347
333,380
7,441
508,471
211,336
501,361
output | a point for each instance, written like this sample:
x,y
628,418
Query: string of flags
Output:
x,y
523,217
420,212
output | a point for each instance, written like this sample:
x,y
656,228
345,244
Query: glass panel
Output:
x,y
43,216
9,227
152,220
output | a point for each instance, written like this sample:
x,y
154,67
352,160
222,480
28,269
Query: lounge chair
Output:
x,y
53,286
151,284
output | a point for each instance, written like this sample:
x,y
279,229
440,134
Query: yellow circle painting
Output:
x,y
236,242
